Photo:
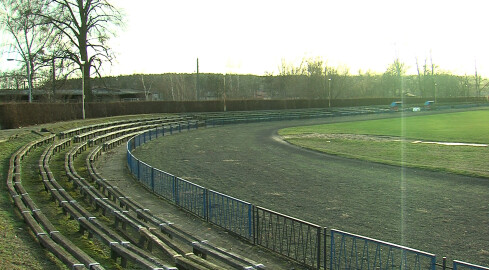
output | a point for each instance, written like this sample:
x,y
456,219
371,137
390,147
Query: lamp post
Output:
x,y
29,81
329,94
83,89
224,95
436,89
53,75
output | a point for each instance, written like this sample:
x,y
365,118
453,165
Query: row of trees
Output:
x,y
52,39
311,79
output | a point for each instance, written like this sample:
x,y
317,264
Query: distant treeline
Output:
x,y
311,79
181,87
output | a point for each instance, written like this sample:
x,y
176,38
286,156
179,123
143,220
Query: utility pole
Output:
x,y
224,93
329,94
197,83
477,80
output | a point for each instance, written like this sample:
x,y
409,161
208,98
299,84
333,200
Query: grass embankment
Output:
x,y
399,148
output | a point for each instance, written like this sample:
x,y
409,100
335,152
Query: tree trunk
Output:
x,y
87,90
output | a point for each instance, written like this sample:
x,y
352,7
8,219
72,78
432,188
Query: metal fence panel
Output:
x,y
132,164
463,265
138,140
191,197
135,166
230,213
129,156
164,184
145,174
350,251
291,237
153,134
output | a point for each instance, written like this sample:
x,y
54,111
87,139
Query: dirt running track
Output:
x,y
251,163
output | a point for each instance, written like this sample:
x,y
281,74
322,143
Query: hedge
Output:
x,y
14,115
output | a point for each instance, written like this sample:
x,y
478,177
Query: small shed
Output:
x,y
429,104
396,105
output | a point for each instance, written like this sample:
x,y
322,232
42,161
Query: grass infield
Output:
x,y
406,141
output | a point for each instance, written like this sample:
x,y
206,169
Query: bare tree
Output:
x,y
86,26
147,88
393,77
477,81
30,36
420,88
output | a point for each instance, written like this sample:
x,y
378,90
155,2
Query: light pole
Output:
x,y
436,88
224,95
29,81
329,94
83,89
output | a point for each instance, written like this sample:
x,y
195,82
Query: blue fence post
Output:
x,y
128,157
250,220
152,179
325,251
256,220
205,203
319,248
331,255
175,190
156,132
139,170
171,129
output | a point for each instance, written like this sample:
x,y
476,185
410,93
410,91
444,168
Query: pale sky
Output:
x,y
253,36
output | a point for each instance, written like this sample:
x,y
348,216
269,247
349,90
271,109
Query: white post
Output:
x,y
329,94
224,96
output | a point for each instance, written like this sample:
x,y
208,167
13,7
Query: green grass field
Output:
x,y
390,141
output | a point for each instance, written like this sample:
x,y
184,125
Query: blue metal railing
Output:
x,y
288,236
145,174
191,197
230,213
462,265
350,251
164,184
